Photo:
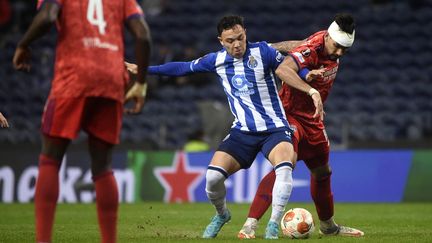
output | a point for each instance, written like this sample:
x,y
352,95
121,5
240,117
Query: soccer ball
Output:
x,y
297,223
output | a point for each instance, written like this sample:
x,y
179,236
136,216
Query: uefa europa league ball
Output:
x,y
297,223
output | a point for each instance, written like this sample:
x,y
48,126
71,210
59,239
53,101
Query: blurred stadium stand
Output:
x,y
382,94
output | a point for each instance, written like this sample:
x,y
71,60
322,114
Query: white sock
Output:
x,y
281,190
251,221
215,188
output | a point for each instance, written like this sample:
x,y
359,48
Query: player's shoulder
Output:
x,y
260,44
313,44
317,37
207,59
212,55
316,40
265,48
266,45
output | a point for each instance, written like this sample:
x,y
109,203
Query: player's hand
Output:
x,y
315,74
132,68
3,121
22,58
319,108
137,93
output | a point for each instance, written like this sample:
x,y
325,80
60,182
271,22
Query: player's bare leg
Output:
x,y
106,188
323,199
47,185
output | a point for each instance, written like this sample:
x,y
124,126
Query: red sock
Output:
x,y
263,196
46,195
322,197
107,205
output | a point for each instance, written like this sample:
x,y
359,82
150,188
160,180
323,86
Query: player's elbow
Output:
x,y
281,71
144,41
49,13
143,33
143,37
284,72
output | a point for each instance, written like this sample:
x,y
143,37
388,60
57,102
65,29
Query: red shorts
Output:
x,y
99,117
312,145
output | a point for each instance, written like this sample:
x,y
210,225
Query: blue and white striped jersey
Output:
x,y
249,84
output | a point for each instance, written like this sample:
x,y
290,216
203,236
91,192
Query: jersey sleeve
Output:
x,y
132,9
200,65
304,56
171,69
274,57
204,64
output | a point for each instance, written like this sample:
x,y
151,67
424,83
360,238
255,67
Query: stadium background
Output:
x,y
379,112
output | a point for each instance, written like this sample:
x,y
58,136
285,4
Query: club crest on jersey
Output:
x,y
252,62
242,85
306,52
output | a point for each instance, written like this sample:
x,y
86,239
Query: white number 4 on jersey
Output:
x,y
95,15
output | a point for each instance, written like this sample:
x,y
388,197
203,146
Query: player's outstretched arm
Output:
x,y
286,46
3,121
40,25
287,72
139,28
174,69
203,64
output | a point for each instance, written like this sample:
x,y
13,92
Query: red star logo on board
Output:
x,y
179,180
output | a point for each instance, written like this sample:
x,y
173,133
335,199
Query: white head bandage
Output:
x,y
341,37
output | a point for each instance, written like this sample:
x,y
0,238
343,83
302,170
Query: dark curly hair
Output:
x,y
345,22
229,21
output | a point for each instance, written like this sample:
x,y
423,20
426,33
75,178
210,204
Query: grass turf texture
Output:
x,y
158,222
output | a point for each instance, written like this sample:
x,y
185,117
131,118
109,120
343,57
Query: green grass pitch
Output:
x,y
158,222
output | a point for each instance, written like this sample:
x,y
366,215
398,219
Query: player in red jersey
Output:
x,y
320,54
87,93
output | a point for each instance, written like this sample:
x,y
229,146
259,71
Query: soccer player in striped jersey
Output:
x,y
246,72
320,54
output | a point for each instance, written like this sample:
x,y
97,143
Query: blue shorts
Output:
x,y
244,146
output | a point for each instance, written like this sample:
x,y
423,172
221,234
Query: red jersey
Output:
x,y
90,51
297,103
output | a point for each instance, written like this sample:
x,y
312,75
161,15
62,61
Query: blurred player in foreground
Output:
x,y
87,93
246,71
320,54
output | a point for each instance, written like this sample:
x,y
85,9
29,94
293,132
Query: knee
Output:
x,y
214,178
282,152
54,148
322,173
100,168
